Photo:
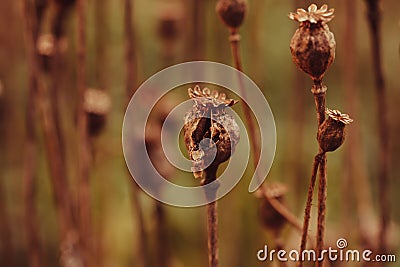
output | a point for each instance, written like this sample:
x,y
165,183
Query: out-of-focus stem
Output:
x,y
83,139
374,20
355,161
131,83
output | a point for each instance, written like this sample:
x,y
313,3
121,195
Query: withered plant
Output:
x,y
313,51
210,136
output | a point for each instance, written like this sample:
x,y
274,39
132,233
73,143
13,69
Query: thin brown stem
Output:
x,y
212,217
212,226
35,249
130,87
7,246
322,192
356,173
161,233
83,139
130,50
234,39
374,19
52,144
307,211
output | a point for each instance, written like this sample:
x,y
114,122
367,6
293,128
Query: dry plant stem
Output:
x,y
307,212
52,145
35,250
131,82
356,171
7,247
161,233
320,104
322,193
142,253
130,50
83,139
5,233
374,19
234,39
212,218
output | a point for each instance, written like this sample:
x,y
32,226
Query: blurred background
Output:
x,y
66,73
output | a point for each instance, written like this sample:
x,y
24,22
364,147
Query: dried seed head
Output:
x,y
232,12
97,105
313,44
210,134
271,218
331,133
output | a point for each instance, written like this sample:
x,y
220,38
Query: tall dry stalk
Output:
x,y
313,51
7,247
52,144
131,78
374,20
35,249
225,135
83,140
57,168
354,160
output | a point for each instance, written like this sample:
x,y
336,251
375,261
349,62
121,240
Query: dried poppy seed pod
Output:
x,y
331,133
271,218
97,105
313,44
232,12
210,134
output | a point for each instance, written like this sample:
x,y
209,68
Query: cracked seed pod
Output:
x,y
232,12
313,44
97,105
331,133
271,218
210,134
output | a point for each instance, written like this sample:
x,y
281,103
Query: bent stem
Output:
x,y
212,217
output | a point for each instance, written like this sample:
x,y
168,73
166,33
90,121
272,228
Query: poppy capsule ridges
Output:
x,y
232,12
331,133
313,44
